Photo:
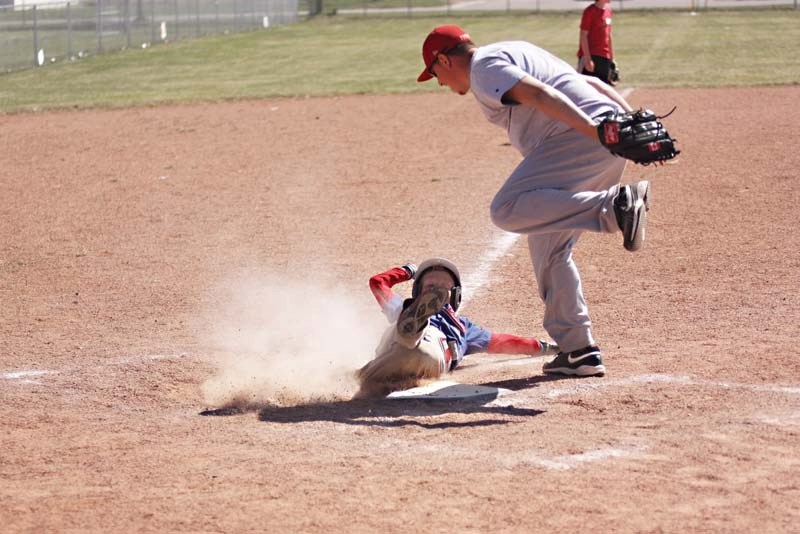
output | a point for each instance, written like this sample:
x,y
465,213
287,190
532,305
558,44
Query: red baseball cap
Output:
x,y
441,40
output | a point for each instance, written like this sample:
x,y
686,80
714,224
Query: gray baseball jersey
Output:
x,y
497,67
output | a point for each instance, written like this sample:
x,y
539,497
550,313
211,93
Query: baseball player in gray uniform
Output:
x,y
567,183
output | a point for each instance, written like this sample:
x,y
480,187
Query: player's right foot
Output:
x,y
583,362
414,318
630,208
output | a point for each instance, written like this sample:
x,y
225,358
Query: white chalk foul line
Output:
x,y
624,448
16,375
571,461
790,419
596,386
30,375
480,276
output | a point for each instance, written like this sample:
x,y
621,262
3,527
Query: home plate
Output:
x,y
446,390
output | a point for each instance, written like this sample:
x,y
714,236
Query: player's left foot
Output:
x,y
415,317
583,362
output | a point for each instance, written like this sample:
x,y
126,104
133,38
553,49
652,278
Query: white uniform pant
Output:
x,y
563,188
420,355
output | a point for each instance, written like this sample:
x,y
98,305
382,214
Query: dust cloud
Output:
x,y
286,342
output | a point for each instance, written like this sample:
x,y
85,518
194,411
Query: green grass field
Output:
x,y
336,55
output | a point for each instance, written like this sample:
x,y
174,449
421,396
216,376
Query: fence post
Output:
x,y
175,3
197,18
126,12
152,22
35,39
216,17
69,30
99,7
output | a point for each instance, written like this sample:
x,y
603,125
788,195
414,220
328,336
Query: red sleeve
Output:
x,y
587,19
381,284
511,344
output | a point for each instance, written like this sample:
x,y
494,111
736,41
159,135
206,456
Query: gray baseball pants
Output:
x,y
418,355
565,187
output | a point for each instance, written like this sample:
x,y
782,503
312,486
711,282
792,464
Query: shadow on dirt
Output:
x,y
388,413
400,412
395,413
517,384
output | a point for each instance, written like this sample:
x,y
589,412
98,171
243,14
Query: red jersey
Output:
x,y
597,21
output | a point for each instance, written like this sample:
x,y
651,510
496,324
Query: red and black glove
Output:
x,y
638,136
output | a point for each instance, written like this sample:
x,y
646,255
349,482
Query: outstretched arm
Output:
x,y
511,344
531,92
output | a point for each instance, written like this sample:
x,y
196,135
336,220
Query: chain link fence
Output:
x,y
459,7
34,34
38,32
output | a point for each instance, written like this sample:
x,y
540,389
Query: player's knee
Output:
x,y
501,212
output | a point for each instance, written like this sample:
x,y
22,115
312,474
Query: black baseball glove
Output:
x,y
613,73
638,136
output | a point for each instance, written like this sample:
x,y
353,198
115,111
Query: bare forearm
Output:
x,y
553,104
585,44
608,91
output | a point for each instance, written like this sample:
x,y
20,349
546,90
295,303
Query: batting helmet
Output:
x,y
439,264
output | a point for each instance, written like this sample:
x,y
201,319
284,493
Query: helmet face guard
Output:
x,y
439,264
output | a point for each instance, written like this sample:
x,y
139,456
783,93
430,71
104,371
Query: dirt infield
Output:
x,y
144,253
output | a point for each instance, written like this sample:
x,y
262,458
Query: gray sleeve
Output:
x,y
493,76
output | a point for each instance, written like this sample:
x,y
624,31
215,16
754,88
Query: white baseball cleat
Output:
x,y
630,208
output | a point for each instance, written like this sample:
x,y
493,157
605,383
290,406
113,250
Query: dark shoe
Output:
x,y
584,362
630,208
414,318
